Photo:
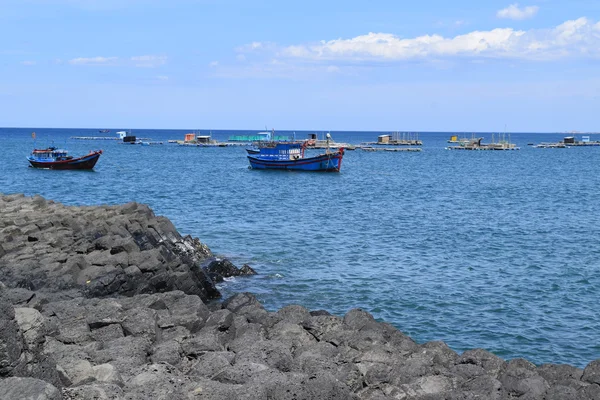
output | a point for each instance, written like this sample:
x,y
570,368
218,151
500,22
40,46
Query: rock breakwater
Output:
x,y
111,302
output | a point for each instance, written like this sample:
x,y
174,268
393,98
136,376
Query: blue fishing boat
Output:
x,y
54,158
290,155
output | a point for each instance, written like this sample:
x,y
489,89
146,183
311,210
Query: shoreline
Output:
x,y
111,301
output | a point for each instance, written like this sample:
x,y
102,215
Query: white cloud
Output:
x,y
149,61
255,47
162,78
28,62
93,60
514,12
213,64
574,38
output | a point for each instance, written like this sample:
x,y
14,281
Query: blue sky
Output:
x,y
304,65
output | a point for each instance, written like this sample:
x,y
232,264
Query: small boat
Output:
x,y
104,130
54,158
290,155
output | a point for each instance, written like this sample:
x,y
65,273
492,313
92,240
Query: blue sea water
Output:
x,y
497,250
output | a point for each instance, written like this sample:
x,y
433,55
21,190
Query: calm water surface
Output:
x,y
498,250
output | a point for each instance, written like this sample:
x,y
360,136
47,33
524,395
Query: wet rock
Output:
x,y
218,269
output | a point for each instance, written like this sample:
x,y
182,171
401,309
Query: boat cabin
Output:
x,y
282,151
51,154
189,137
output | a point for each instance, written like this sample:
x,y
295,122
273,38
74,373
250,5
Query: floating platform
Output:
x,y
94,138
405,149
396,139
210,144
322,144
492,146
569,141
475,144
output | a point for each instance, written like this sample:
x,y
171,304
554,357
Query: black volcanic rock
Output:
x,y
218,269
99,251
112,303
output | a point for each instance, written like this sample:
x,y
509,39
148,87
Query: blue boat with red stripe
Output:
x,y
54,158
290,156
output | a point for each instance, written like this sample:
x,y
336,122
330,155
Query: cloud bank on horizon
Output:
x,y
574,38
340,64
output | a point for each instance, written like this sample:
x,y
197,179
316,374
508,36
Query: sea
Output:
x,y
497,250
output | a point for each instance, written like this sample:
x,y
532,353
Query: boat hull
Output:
x,y
85,162
324,162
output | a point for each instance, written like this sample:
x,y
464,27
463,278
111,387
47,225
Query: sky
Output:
x,y
460,65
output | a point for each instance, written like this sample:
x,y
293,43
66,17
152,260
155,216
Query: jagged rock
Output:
x,y
242,303
211,363
125,354
75,372
167,352
106,373
32,326
99,251
28,389
94,391
112,305
11,339
218,269
591,373
482,358
521,378
157,381
247,270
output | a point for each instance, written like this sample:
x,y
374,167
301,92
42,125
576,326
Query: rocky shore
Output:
x,y
111,302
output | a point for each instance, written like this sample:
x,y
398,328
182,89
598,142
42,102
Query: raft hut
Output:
x,y
313,142
396,139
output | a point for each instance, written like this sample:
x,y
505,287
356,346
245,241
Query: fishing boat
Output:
x,y
290,155
54,158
